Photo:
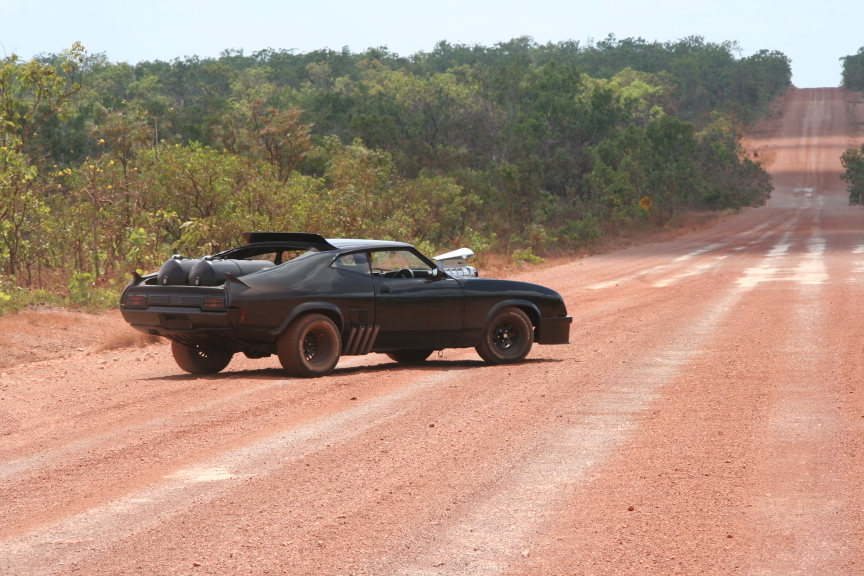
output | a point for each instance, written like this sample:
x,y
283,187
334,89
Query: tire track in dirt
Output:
x,y
37,551
502,531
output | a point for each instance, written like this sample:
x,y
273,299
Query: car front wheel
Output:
x,y
200,359
310,347
508,337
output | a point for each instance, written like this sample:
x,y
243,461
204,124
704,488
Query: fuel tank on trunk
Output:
x,y
212,272
179,271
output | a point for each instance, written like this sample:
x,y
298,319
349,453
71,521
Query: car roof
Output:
x,y
358,244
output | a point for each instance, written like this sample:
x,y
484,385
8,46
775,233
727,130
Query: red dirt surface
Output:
x,y
46,333
706,418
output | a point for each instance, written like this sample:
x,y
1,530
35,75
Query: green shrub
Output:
x,y
84,293
14,298
853,162
526,256
582,232
80,288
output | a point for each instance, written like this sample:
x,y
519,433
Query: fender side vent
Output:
x,y
360,340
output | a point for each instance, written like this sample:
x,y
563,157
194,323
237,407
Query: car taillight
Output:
x,y
213,303
136,301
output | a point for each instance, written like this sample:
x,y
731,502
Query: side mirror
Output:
x,y
435,274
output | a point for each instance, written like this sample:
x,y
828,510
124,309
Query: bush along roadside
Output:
x,y
853,164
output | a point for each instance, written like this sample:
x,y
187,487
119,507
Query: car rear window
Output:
x,y
357,262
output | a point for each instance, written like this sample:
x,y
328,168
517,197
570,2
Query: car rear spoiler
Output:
x,y
302,238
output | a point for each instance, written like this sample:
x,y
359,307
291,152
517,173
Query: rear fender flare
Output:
x,y
328,309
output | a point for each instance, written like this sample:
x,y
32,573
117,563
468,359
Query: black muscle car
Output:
x,y
310,300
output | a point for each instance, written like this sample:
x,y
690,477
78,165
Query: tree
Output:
x,y
31,92
853,70
281,135
20,203
121,133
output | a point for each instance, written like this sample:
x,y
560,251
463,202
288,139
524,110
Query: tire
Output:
x,y
508,337
409,356
200,360
310,347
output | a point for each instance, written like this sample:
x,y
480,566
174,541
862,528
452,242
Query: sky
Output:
x,y
813,34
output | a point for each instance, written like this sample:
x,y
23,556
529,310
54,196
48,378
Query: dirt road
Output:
x,y
707,418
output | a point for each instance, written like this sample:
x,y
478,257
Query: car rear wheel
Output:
x,y
310,347
200,359
508,337
409,356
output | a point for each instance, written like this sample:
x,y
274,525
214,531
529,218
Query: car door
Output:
x,y
414,307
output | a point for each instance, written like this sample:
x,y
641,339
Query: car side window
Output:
x,y
398,264
279,256
358,262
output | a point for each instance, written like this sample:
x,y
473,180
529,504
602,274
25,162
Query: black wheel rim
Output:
x,y
505,337
312,346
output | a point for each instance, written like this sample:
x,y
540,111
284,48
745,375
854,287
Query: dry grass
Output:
x,y
42,333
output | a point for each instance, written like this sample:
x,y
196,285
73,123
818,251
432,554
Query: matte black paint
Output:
x,y
422,312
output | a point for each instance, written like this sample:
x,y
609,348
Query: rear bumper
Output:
x,y
169,321
553,330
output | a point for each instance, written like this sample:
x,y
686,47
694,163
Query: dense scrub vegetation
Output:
x,y
853,163
853,159
853,70
108,167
